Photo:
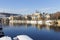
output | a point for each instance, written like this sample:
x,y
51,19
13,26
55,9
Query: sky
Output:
x,y
29,6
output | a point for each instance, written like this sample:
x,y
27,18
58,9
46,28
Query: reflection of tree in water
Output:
x,y
25,24
56,28
20,24
40,26
1,31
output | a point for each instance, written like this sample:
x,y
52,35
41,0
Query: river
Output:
x,y
35,31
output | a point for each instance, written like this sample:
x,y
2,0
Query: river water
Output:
x,y
36,32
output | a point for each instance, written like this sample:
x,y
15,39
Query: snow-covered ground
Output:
x,y
5,38
35,22
40,22
22,37
19,37
49,22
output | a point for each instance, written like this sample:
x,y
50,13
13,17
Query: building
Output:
x,y
4,17
36,16
47,16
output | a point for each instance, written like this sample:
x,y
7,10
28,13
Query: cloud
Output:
x,y
29,10
9,10
44,9
25,10
48,9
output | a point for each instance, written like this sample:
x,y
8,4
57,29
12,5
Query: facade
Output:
x,y
47,16
36,16
2,18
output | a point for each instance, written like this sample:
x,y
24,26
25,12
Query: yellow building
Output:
x,y
47,16
36,16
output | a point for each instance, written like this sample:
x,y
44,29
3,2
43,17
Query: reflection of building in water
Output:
x,y
42,26
38,26
47,27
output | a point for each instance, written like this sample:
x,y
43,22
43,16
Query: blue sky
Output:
x,y
29,6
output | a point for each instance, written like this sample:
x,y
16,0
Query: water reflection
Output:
x,y
57,29
38,26
35,31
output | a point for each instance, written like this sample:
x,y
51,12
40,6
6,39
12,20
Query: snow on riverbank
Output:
x,y
5,38
19,37
22,37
